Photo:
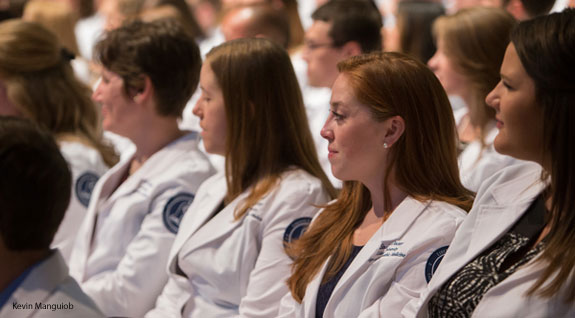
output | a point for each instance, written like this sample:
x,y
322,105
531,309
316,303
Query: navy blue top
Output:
x,y
325,290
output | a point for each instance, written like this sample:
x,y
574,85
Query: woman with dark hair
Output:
x,y
375,247
228,259
516,249
414,19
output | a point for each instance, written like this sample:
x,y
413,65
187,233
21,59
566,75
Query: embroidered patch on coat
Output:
x,y
84,187
296,229
175,209
433,262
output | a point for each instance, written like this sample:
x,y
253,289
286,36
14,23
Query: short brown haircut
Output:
x,y
358,21
161,50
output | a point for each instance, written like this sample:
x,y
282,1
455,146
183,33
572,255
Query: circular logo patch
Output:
x,y
433,262
175,209
296,229
84,186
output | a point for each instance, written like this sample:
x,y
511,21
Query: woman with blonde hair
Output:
x,y
377,245
229,260
514,255
470,48
38,83
60,19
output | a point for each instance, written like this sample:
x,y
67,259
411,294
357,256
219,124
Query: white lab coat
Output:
x,y
123,245
392,268
498,206
49,284
476,166
237,268
87,166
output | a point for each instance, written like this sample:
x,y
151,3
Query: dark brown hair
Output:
x,y
35,185
161,50
533,8
546,48
358,21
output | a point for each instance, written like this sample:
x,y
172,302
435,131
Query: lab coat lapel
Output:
x,y
389,232
208,198
490,222
310,297
155,165
100,193
104,192
511,200
220,224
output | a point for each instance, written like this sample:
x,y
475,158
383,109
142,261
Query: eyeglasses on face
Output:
x,y
311,46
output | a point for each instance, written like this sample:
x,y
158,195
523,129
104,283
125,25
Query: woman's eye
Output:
x,y
337,115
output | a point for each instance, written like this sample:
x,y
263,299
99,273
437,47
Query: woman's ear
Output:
x,y
395,126
143,93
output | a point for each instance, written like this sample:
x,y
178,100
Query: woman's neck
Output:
x,y
152,138
379,212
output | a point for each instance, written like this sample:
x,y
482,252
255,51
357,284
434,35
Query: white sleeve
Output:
x,y
267,281
288,306
173,298
132,288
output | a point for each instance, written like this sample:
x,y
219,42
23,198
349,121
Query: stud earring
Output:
x,y
385,145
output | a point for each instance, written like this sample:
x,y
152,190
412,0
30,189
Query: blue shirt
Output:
x,y
8,291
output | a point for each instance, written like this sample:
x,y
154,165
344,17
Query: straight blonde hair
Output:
x,y
40,82
475,40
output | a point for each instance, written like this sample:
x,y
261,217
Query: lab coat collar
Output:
x,y
210,230
495,211
101,198
511,199
154,166
208,198
390,231
39,284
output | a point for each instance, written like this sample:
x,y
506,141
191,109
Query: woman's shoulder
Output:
x,y
446,210
81,156
512,183
299,180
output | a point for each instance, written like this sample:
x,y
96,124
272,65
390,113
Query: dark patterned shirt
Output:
x,y
459,296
